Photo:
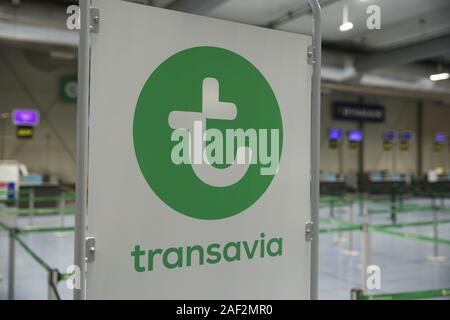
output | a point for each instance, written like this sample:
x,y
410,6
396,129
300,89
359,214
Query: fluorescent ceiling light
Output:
x,y
346,26
440,76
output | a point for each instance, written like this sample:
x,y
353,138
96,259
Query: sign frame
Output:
x,y
89,22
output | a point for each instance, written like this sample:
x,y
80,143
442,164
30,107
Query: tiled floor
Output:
x,y
402,261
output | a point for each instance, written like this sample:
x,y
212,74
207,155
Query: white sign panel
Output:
x,y
199,170
9,179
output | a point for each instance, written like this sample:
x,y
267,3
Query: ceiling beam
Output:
x,y
195,6
296,13
403,55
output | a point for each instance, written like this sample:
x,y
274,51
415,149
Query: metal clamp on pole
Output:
x,y
315,57
90,249
94,25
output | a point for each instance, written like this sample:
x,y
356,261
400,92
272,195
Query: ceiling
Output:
x,y
402,21
414,25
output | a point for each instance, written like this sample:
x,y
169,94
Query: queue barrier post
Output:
x,y
339,238
52,281
350,251
62,216
331,208
393,208
11,263
436,258
31,202
356,294
365,255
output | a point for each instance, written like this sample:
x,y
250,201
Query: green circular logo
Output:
x,y
208,133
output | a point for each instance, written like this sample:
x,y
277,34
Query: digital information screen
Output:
x,y
335,134
406,135
355,136
389,135
439,137
23,117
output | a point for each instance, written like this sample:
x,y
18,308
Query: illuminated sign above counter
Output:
x,y
352,111
29,118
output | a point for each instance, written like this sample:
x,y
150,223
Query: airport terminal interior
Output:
x,y
384,211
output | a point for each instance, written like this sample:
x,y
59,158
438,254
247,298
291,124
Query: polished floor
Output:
x,y
403,262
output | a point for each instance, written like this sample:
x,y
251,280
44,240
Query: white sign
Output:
x,y
199,148
9,179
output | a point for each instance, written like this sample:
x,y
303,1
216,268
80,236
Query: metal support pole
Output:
x,y
11,263
31,207
355,294
339,238
435,234
393,209
369,216
62,207
435,258
315,143
62,215
351,252
365,255
361,204
52,282
331,208
82,144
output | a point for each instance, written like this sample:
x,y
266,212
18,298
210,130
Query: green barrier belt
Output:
x,y
410,209
37,212
342,226
412,224
408,295
28,191
39,199
328,198
33,254
408,235
337,229
336,221
345,226
4,226
45,229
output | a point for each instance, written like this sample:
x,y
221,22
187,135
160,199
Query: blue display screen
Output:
x,y
390,135
439,137
406,135
335,134
355,136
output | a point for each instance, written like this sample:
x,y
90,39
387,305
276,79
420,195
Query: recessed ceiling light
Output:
x,y
440,76
346,25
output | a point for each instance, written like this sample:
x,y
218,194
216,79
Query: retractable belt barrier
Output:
x,y
54,275
428,294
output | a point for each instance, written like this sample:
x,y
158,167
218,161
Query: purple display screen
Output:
x,y
406,136
439,137
335,134
355,136
26,117
390,135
